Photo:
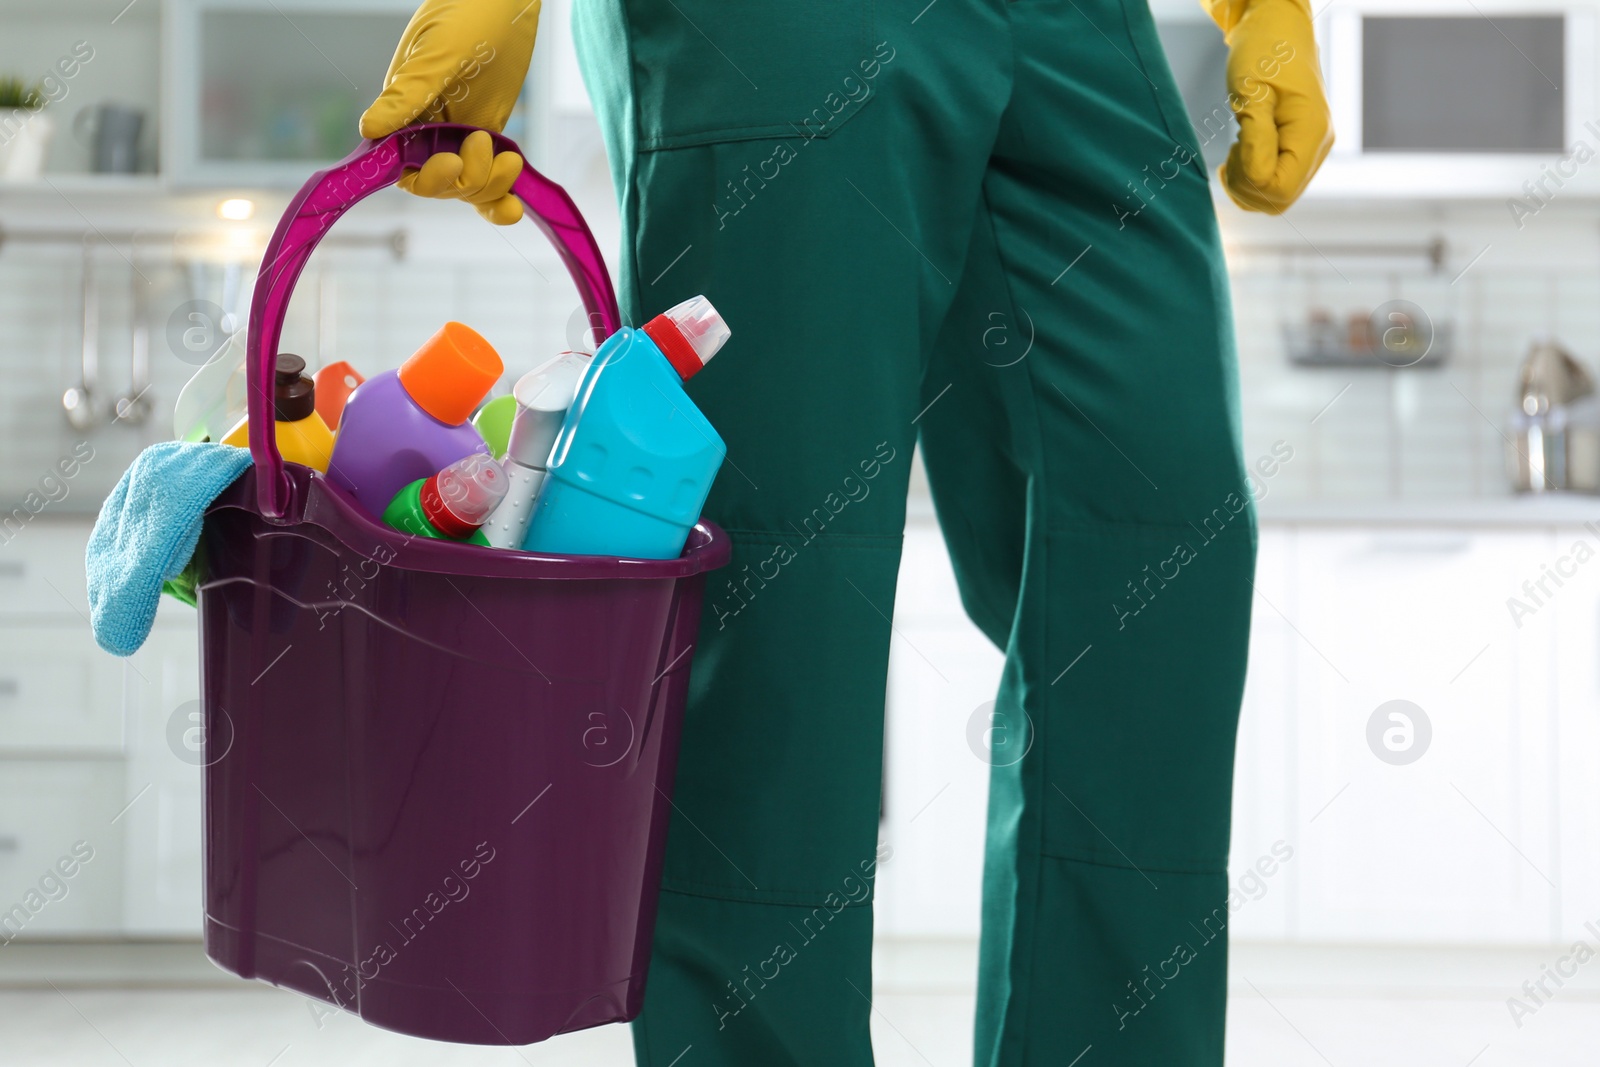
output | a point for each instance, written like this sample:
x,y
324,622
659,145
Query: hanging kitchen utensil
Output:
x,y
134,406
78,401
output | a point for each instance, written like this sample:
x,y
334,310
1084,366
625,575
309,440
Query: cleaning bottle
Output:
x,y
542,397
635,458
399,426
335,383
451,504
214,399
493,423
301,434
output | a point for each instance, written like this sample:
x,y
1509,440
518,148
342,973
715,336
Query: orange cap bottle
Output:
x,y
335,382
451,373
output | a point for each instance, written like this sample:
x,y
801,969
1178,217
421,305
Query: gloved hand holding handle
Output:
x,y
1275,88
461,61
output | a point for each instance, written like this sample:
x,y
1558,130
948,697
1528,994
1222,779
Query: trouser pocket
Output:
x,y
1152,60
705,71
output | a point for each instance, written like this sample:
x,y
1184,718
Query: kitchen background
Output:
x,y
1427,882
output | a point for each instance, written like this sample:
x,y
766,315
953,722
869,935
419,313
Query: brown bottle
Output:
x,y
301,434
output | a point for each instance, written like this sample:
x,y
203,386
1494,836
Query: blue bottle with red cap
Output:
x,y
635,458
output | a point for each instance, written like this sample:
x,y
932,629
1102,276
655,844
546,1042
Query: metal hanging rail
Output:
x,y
1435,251
394,241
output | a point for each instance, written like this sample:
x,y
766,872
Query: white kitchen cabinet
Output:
x,y
61,743
85,754
942,672
1572,626
58,692
267,91
54,816
41,571
162,888
1264,812
1487,838
1458,845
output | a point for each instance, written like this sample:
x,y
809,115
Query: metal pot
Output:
x,y
1555,429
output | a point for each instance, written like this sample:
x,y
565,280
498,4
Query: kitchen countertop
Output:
x,y
1552,509
1545,509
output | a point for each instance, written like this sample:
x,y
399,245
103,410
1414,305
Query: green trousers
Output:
x,y
980,227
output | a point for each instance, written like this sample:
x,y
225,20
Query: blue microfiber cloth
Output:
x,y
147,530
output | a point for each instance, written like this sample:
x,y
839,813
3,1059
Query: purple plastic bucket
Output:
x,y
437,776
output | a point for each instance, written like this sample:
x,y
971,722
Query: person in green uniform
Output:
x,y
981,226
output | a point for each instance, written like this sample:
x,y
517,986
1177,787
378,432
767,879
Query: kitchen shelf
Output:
x,y
92,184
1328,345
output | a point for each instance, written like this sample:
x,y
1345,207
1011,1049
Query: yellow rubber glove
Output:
x,y
479,175
461,61
1275,88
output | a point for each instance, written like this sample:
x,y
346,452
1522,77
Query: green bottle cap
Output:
x,y
493,423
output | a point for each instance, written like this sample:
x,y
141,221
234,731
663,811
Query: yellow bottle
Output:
x,y
302,435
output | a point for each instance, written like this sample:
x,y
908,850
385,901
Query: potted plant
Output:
x,y
24,129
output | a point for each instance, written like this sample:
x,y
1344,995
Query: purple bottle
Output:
x,y
403,425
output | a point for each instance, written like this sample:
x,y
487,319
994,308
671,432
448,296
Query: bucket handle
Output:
x,y
323,200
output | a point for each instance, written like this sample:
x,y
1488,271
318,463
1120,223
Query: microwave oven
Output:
x,y
1460,98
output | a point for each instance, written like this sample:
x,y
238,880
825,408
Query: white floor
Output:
x,y
1288,1007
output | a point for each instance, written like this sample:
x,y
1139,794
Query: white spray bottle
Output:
x,y
543,396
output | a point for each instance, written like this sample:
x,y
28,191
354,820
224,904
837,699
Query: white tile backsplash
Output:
x,y
1391,434
1415,433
